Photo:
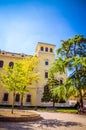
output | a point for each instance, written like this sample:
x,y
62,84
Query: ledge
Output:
x,y
21,118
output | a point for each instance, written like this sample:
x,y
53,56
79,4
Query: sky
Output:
x,y
24,23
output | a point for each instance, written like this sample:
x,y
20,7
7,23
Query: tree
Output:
x,y
72,57
18,78
58,66
60,92
70,89
9,82
28,74
48,94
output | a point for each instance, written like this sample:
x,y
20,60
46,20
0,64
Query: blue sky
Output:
x,y
23,23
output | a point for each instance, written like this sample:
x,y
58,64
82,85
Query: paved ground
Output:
x,y
50,121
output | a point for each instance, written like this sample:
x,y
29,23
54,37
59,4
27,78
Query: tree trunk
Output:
x,y
13,102
81,99
53,103
80,91
21,100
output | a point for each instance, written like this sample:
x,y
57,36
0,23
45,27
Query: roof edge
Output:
x,y
46,43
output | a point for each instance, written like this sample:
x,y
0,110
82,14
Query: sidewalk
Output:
x,y
50,121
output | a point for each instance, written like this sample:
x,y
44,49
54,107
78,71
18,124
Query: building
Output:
x,y
46,56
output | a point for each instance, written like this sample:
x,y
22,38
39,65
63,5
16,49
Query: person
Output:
x,y
77,105
80,109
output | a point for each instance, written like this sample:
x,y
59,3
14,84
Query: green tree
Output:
x,y
48,94
64,91
53,83
60,92
70,89
18,78
72,57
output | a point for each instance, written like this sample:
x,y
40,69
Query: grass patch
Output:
x,y
50,109
66,110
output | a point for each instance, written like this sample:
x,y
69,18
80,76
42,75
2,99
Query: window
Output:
x,y
22,55
46,74
17,97
46,49
42,49
46,62
5,98
51,50
61,81
11,64
1,63
28,99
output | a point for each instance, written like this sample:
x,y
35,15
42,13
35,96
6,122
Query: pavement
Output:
x,y
50,121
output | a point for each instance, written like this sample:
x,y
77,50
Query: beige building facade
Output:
x,y
46,55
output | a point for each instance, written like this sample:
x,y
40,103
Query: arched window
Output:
x,y
1,63
42,49
46,74
5,97
46,49
61,81
28,98
46,63
17,97
51,50
11,64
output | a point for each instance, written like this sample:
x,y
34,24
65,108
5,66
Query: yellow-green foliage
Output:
x,y
23,74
